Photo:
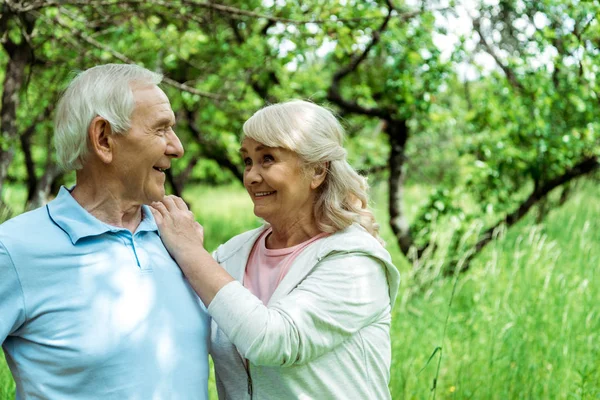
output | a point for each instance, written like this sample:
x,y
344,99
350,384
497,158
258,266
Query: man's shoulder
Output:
x,y
33,217
26,226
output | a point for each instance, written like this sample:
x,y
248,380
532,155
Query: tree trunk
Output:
x,y
176,185
20,57
397,132
38,189
32,179
39,197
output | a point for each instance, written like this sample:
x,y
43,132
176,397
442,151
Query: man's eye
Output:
x,y
247,161
268,158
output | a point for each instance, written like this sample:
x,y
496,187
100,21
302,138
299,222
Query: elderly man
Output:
x,y
91,304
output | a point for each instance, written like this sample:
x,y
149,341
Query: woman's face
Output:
x,y
278,185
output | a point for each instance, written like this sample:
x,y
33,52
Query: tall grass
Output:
x,y
7,385
524,322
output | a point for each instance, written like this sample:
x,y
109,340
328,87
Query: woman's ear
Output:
x,y
101,140
319,175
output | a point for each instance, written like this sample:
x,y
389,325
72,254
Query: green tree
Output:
x,y
509,138
532,125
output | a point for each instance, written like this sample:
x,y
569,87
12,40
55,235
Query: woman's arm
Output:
x,y
342,294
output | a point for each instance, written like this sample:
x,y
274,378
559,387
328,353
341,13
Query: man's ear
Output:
x,y
319,175
101,139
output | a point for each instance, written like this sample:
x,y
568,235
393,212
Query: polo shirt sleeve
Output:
x,y
12,301
343,294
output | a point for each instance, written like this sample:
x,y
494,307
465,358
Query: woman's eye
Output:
x,y
247,161
268,158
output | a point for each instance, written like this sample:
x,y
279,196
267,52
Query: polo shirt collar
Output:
x,y
148,223
68,214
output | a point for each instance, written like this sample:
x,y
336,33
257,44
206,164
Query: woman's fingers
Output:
x,y
158,207
157,215
178,227
178,201
174,203
169,203
174,218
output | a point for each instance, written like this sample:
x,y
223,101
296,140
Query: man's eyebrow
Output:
x,y
164,121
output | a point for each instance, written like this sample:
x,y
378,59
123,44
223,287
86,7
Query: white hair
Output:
x,y
316,136
105,91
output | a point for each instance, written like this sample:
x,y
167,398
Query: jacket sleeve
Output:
x,y
344,293
12,302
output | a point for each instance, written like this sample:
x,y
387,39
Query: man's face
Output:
x,y
143,154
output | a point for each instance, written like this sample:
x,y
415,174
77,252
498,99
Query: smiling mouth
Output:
x,y
263,194
160,169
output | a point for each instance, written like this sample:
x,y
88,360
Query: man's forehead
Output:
x,y
142,93
151,97
152,105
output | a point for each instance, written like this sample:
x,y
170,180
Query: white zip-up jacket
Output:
x,y
325,333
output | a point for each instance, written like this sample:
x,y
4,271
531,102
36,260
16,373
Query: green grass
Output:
x,y
524,322
7,385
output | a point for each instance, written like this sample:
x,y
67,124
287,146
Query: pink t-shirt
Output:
x,y
267,267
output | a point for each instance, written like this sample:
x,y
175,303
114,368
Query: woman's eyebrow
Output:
x,y
260,147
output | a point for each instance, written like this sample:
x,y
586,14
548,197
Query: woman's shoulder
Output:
x,y
355,238
356,241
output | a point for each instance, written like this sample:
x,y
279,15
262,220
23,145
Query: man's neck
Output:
x,y
104,203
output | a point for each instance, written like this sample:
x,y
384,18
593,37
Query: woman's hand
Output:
x,y
178,228
184,239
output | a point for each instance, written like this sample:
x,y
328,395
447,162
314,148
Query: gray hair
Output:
x,y
105,91
316,136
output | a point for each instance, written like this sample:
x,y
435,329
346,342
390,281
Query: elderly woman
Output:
x,y
301,306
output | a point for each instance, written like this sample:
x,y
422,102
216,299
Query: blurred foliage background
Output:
x,y
476,122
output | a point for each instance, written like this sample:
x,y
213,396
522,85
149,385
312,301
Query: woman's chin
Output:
x,y
262,215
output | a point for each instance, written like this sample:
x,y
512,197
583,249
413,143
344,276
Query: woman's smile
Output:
x,y
263,194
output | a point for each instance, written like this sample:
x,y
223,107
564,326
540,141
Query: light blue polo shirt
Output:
x,y
91,311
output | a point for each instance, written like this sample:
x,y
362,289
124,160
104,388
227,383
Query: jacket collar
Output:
x,y
353,239
240,246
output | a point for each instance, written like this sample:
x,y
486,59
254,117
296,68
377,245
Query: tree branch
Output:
x,y
510,75
585,167
223,9
211,149
334,94
121,57
260,88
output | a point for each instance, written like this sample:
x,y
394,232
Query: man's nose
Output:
x,y
174,148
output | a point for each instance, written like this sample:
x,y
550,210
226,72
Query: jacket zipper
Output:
x,y
250,389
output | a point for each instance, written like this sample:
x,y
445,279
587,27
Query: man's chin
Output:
x,y
155,197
